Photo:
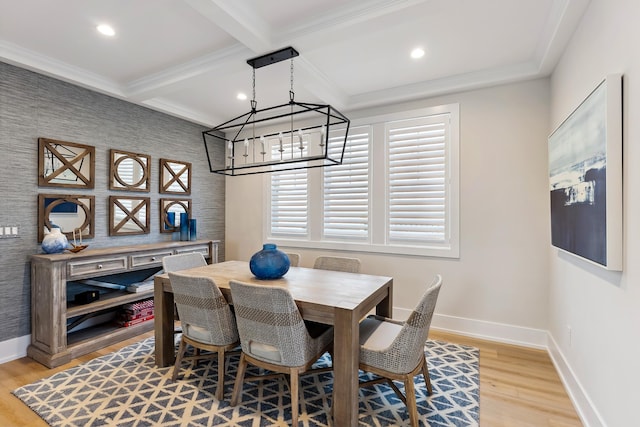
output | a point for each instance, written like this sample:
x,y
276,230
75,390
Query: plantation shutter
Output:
x,y
289,206
346,187
417,208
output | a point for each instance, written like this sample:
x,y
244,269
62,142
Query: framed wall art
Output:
x,y
585,172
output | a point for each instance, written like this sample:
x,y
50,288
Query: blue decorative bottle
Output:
x,y
184,226
269,263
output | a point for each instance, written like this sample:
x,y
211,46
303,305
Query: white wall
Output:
x,y
499,286
602,308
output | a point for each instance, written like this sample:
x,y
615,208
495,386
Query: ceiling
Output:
x,y
188,58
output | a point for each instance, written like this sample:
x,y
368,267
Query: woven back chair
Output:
x,y
294,259
274,336
183,261
395,350
207,321
336,263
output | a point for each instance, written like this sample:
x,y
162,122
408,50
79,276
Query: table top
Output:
x,y
307,285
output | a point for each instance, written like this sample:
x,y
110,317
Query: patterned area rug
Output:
x,y
125,388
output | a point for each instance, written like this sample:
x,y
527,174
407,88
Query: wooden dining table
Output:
x,y
331,297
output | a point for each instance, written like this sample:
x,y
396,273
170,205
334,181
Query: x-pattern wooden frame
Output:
x,y
129,215
169,177
53,151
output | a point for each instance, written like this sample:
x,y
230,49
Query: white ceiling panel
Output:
x,y
188,57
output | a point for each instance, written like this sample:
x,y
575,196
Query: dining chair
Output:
x,y
394,350
183,261
294,258
274,336
336,263
207,322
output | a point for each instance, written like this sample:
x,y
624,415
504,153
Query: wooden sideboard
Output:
x,y
52,310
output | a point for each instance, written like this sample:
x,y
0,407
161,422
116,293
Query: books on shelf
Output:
x,y
140,286
135,313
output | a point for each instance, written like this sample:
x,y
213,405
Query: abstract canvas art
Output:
x,y
585,171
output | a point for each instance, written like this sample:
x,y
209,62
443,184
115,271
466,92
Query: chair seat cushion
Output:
x,y
265,352
377,335
197,333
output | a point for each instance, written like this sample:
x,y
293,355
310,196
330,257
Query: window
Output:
x,y
395,192
346,188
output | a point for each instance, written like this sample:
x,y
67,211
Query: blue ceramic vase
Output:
x,y
54,242
269,263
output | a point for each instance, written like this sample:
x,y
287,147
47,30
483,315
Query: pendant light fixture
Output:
x,y
295,135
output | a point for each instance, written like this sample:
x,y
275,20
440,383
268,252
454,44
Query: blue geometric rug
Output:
x,y
125,388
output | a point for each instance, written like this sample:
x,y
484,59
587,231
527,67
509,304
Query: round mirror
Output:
x,y
129,171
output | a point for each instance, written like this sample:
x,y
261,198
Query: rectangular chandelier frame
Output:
x,y
295,135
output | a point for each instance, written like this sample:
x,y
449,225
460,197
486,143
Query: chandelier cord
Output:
x,y
291,92
254,104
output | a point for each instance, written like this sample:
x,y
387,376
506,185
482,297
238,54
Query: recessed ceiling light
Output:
x,y
107,30
241,96
417,53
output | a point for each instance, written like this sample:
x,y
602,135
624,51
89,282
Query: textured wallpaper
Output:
x,y
33,106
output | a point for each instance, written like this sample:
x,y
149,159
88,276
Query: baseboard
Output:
x,y
584,407
492,331
15,348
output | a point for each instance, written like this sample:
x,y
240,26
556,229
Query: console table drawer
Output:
x,y
105,265
149,259
203,249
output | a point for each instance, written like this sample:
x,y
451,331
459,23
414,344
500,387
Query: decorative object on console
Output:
x,y
68,211
170,210
129,171
184,226
585,176
269,263
75,246
65,164
54,242
295,135
175,177
192,229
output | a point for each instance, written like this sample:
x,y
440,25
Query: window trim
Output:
x,y
377,175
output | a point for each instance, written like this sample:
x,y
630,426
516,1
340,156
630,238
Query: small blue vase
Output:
x,y
269,263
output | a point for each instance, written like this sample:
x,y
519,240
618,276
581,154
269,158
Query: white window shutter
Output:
x,y
416,156
289,199
346,187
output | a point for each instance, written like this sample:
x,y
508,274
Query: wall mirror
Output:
x,y
129,215
175,177
65,164
129,171
67,211
170,210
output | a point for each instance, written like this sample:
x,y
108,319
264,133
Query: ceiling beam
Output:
x,y
240,23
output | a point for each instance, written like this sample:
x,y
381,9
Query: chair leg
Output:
x,y
410,394
220,389
293,387
237,388
425,374
181,350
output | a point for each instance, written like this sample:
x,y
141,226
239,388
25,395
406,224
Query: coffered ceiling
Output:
x,y
188,57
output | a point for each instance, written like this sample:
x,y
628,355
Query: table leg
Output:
x,y
163,325
385,307
346,355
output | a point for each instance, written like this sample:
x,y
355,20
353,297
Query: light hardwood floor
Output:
x,y
519,387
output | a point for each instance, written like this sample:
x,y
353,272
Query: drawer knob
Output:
x,y
99,266
153,258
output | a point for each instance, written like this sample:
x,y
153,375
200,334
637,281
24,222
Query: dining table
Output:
x,y
332,297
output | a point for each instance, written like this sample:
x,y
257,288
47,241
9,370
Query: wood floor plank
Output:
x,y
519,387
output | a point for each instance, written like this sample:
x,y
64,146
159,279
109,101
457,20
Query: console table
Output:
x,y
51,345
